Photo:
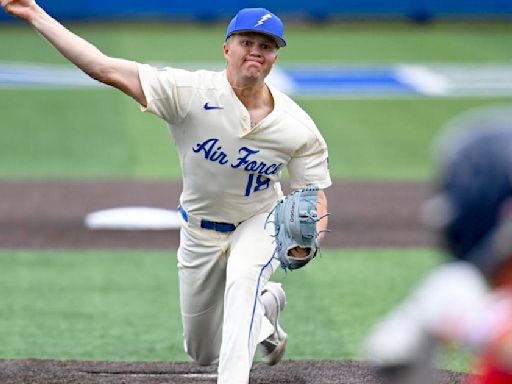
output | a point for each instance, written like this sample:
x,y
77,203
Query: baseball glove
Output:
x,y
295,218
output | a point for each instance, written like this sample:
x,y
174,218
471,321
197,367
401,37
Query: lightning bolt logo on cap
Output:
x,y
263,19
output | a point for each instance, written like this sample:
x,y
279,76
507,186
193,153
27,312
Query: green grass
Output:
x,y
89,305
384,139
342,42
123,305
81,134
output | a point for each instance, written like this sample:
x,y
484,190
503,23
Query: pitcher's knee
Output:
x,y
205,358
202,355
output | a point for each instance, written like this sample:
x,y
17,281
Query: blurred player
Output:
x,y
234,134
468,300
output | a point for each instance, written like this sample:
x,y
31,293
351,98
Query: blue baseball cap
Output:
x,y
258,20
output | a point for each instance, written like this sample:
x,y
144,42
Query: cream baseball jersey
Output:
x,y
231,171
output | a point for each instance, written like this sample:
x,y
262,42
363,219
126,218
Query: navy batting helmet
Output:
x,y
472,210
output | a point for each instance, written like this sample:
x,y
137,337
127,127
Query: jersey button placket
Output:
x,y
245,125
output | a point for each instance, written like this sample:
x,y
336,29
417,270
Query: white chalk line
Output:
x,y
402,80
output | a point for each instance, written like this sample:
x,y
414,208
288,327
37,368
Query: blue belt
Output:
x,y
207,224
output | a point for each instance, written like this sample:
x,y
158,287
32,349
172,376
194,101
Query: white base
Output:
x,y
133,219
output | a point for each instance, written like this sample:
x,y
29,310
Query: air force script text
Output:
x,y
212,151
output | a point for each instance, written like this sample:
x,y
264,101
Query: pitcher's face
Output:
x,y
250,55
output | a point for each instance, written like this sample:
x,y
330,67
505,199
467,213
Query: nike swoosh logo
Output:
x,y
208,107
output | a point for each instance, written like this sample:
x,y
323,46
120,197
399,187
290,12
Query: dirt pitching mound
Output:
x,y
288,372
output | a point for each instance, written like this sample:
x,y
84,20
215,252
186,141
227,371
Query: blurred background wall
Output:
x,y
318,10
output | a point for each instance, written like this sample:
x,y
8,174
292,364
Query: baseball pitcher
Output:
x,y
234,135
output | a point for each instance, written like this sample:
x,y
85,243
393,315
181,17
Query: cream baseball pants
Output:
x,y
221,277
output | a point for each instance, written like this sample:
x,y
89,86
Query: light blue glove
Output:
x,y
295,218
